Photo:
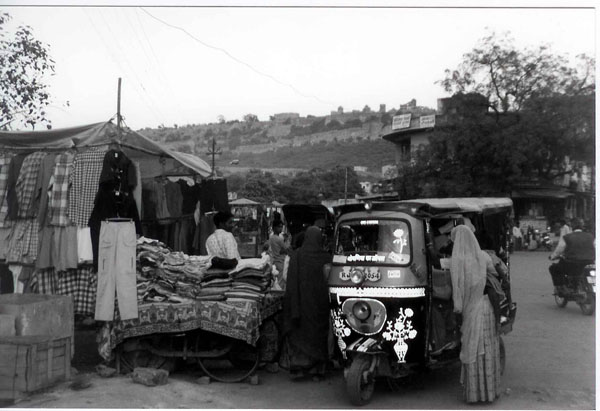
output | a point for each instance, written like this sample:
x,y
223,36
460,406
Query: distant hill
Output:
x,y
291,141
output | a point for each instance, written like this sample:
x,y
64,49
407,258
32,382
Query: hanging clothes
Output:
x,y
27,197
12,203
5,160
109,205
213,195
137,191
117,166
117,271
83,182
41,187
58,205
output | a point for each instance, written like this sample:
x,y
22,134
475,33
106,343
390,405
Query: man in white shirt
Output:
x,y
222,243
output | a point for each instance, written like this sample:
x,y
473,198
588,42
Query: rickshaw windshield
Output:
x,y
389,240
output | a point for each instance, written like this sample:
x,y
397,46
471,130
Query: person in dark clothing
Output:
x,y
306,309
576,249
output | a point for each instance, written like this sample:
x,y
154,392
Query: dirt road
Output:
x,y
550,365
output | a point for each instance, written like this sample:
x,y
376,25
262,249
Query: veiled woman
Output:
x,y
306,309
480,343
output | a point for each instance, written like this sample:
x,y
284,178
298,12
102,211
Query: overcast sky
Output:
x,y
269,60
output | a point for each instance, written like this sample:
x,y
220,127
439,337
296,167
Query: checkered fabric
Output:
x,y
80,284
83,185
4,166
44,282
26,183
23,242
59,188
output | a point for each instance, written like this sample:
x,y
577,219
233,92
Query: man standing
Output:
x,y
564,229
222,243
517,237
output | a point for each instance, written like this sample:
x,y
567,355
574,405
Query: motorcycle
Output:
x,y
579,285
390,303
545,241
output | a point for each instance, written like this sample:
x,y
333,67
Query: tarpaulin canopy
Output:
x,y
92,135
559,194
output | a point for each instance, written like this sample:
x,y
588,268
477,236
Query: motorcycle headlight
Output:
x,y
357,276
361,310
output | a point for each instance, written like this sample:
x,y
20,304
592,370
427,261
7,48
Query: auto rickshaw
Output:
x,y
390,292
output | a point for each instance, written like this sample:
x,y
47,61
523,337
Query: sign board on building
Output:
x,y
427,121
401,121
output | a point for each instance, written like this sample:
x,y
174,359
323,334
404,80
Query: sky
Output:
x,y
190,65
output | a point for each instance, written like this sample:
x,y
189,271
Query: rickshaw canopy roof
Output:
x,y
431,207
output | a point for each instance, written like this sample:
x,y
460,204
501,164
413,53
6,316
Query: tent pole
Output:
x,y
119,109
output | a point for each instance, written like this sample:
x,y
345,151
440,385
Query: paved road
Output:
x,y
550,365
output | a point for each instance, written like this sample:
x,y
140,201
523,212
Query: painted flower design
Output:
x,y
401,329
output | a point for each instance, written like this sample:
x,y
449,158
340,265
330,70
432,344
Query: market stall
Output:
x,y
189,309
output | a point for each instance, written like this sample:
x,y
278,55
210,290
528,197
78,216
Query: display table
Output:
x,y
240,320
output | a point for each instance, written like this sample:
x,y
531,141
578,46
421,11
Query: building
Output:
x,y
536,203
283,117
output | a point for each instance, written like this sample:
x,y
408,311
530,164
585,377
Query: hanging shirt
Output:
x,y
14,171
174,199
222,244
41,187
117,166
83,185
27,197
58,187
5,160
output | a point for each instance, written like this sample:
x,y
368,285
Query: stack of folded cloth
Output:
x,y
250,280
215,282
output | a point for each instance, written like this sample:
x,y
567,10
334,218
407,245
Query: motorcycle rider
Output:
x,y
577,249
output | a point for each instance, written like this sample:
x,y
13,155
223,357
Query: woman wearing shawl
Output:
x,y
306,309
480,343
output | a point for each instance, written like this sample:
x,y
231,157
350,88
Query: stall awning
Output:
x,y
97,134
542,193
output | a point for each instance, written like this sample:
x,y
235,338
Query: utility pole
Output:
x,y
214,152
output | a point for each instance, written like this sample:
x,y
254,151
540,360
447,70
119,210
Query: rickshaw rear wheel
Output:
x,y
360,383
502,356
561,302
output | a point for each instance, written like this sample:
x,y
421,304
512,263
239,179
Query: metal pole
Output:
x,y
346,186
119,109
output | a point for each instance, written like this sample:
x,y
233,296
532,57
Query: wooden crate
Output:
x,y
30,363
39,314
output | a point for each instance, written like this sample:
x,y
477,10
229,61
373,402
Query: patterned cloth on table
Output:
x,y
23,241
59,187
81,285
26,183
84,180
44,282
4,166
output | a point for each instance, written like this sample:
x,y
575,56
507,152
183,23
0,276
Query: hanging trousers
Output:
x,y
116,271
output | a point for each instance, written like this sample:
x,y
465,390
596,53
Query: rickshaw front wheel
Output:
x,y
360,382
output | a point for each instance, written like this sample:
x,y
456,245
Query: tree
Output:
x,y
221,119
24,64
250,118
258,186
508,77
544,111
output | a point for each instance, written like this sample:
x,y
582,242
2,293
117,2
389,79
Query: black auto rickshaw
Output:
x,y
390,292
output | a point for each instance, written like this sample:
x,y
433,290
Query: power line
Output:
x,y
294,89
149,101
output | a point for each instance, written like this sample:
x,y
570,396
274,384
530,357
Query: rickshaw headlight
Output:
x,y
357,276
361,310
593,273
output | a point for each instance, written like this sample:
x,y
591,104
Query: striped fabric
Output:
x,y
26,184
59,186
23,242
84,181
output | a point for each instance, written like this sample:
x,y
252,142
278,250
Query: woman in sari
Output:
x,y
306,309
480,342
